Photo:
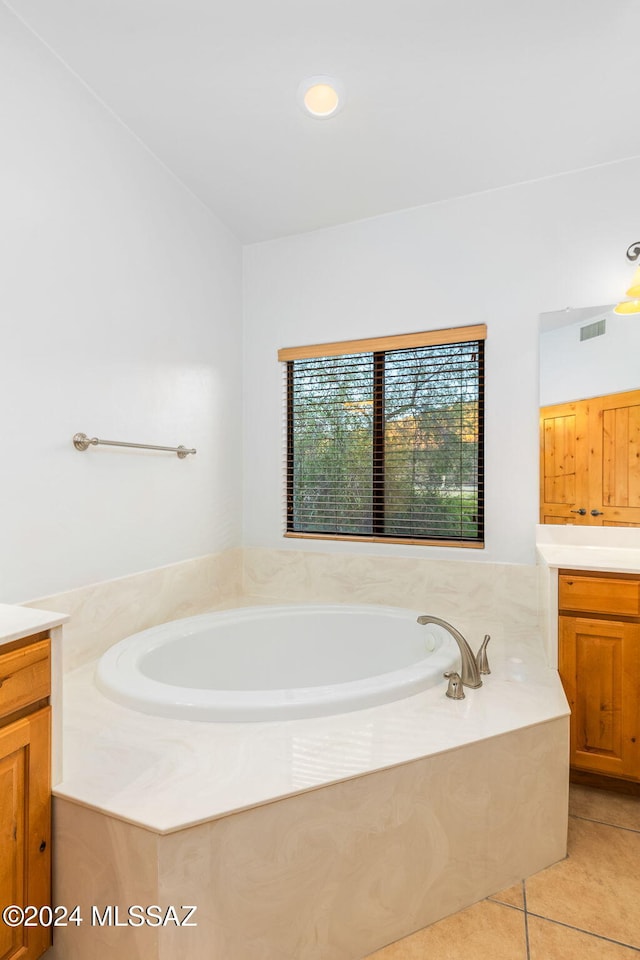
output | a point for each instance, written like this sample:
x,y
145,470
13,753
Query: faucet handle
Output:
x,y
481,656
454,690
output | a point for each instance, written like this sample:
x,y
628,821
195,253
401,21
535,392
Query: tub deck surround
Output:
x,y
336,872
329,836
165,774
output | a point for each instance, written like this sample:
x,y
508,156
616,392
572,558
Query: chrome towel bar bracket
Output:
x,y
82,442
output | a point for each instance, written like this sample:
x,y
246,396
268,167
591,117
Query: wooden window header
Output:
x,y
403,341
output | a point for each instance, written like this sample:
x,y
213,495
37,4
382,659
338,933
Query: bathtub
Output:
x,y
276,662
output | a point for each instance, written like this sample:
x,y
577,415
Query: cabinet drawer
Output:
x,y
599,595
25,676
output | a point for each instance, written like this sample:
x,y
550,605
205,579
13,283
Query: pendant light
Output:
x,y
626,307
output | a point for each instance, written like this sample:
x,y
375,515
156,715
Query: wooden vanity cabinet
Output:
x,y
599,664
25,791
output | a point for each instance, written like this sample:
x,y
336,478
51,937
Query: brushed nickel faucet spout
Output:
x,y
481,656
469,674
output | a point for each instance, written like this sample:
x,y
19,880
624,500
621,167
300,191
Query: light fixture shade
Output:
x,y
627,307
321,97
634,289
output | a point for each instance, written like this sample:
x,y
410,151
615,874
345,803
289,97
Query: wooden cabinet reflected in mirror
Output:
x,y
590,461
590,418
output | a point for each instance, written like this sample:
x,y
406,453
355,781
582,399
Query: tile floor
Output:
x,y
586,907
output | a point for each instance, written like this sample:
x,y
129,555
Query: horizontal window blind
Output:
x,y
387,443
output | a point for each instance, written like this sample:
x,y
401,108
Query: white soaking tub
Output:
x,y
276,662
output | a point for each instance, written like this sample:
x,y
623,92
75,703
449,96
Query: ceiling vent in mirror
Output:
x,y
592,330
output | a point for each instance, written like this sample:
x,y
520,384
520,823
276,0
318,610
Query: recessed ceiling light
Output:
x,y
321,97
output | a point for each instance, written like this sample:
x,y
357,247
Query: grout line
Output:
x,y
605,823
588,933
502,903
526,919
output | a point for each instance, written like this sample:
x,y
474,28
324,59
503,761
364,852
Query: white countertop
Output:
x,y
166,775
18,622
590,557
578,547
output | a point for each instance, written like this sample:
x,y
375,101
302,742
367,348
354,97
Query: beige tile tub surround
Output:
x,y
335,872
474,596
104,613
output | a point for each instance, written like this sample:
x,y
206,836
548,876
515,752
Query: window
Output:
x,y
385,438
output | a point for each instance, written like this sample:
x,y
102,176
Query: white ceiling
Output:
x,y
445,97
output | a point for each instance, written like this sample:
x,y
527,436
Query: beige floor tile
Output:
x,y
604,805
550,941
512,895
485,931
597,888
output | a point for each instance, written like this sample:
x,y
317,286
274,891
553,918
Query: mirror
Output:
x,y
604,362
590,451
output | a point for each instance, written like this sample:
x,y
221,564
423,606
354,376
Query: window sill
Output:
x,y
465,544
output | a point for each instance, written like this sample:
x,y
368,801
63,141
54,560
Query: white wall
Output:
x,y
498,258
120,314
574,369
120,311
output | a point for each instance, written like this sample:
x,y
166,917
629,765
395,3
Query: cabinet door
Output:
x,y
614,453
599,665
564,471
25,830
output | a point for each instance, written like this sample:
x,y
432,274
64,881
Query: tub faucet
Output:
x,y
470,672
454,690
